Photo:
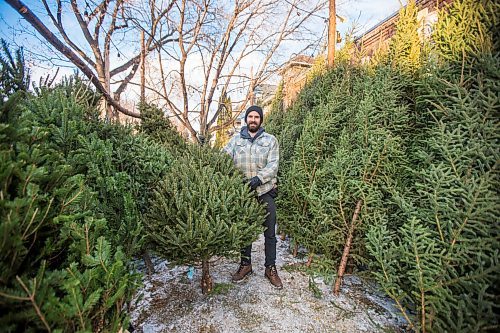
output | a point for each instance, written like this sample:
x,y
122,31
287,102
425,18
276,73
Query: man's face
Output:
x,y
253,121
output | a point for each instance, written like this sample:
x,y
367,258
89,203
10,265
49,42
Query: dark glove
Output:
x,y
254,182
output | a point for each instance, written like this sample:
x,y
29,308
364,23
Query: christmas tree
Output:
x,y
442,263
202,209
58,270
155,124
73,192
226,113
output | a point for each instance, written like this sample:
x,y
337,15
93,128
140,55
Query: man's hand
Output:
x,y
255,182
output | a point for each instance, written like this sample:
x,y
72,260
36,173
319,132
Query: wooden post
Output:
x,y
332,34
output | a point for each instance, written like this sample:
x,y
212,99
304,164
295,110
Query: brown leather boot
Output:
x,y
242,273
271,274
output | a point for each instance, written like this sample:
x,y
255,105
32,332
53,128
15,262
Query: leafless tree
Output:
x,y
105,25
198,50
228,47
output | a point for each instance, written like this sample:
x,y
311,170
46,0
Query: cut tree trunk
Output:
x,y
347,248
147,261
206,279
310,260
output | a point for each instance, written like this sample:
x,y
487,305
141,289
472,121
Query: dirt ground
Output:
x,y
171,301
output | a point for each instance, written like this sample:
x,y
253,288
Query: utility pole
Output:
x,y
332,34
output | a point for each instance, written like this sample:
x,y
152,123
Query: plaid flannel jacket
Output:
x,y
256,157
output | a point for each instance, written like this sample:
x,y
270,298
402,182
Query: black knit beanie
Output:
x,y
256,109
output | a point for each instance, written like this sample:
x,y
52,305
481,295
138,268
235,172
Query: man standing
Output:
x,y
256,153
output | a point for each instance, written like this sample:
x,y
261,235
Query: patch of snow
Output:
x,y
171,302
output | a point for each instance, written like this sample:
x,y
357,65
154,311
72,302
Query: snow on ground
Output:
x,y
170,302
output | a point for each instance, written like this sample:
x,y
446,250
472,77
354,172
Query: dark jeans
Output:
x,y
269,233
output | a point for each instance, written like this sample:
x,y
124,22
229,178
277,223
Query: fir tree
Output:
x,y
14,75
406,50
318,67
447,251
442,263
63,266
58,272
222,135
156,125
467,27
202,209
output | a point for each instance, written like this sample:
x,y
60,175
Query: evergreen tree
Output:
x,y
275,118
202,209
73,191
467,27
442,264
14,75
406,48
120,166
58,272
318,67
417,149
156,125
222,135
349,155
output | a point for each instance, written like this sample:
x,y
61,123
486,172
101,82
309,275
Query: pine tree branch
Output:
x,y
421,286
17,298
396,299
66,204
457,232
80,316
31,297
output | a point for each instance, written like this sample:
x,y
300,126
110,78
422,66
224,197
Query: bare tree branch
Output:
x,y
221,43
58,24
52,39
99,24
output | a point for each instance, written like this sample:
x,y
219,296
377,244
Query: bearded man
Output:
x,y
256,153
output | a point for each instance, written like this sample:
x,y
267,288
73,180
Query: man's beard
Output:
x,y
253,129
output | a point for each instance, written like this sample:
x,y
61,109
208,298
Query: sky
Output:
x,y
369,12
363,14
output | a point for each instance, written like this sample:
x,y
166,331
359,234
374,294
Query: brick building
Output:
x,y
377,38
294,76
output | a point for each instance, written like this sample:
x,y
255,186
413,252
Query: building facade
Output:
x,y
377,38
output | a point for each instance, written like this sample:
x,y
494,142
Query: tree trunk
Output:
x,y
295,249
206,279
347,248
106,110
143,69
147,261
310,260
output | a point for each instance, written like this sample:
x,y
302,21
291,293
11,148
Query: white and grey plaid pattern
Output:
x,y
258,158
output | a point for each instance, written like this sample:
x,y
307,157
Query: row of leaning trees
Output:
x,y
400,156
392,166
